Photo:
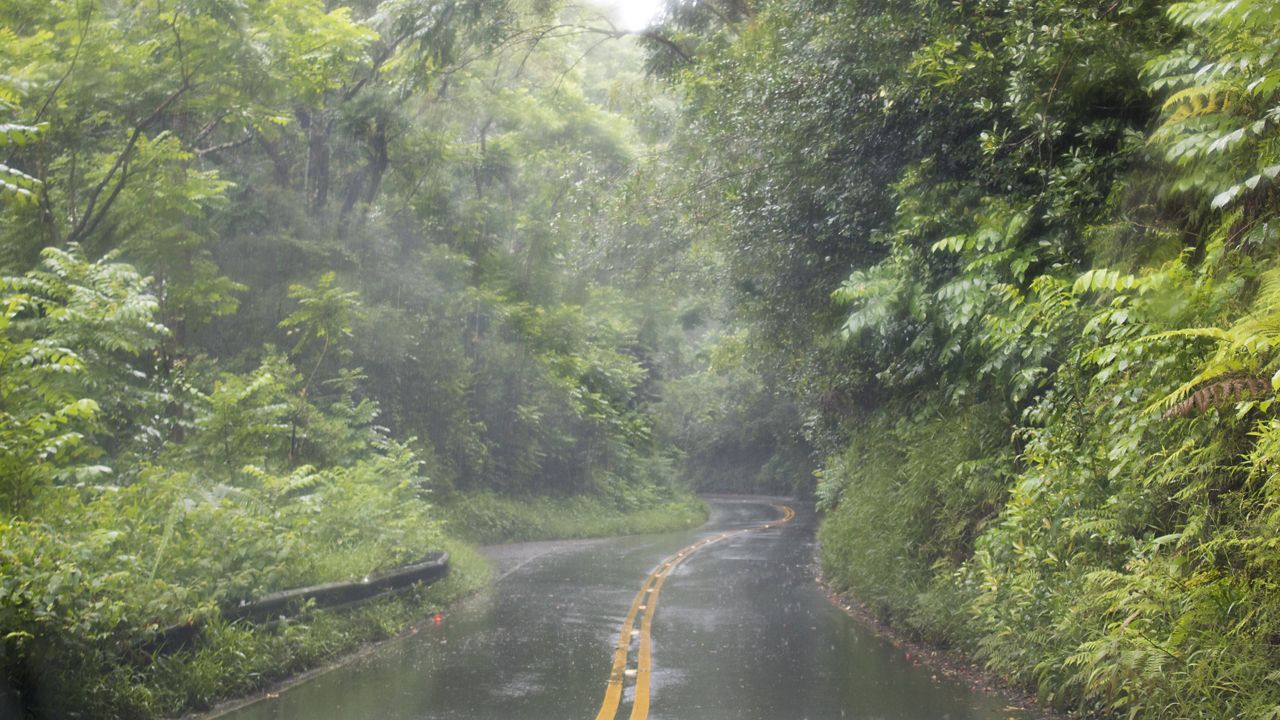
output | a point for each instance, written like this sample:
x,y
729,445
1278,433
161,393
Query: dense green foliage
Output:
x,y
292,291
488,517
1017,265
295,290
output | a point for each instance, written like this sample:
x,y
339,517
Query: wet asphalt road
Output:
x,y
741,631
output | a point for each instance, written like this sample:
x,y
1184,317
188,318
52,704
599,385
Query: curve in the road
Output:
x,y
643,606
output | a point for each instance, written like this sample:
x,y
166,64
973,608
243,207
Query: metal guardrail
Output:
x,y
275,606
434,567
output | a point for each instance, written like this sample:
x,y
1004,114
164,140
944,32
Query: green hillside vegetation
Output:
x,y
295,291
1015,263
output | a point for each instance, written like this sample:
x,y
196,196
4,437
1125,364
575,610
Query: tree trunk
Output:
x,y
279,164
317,180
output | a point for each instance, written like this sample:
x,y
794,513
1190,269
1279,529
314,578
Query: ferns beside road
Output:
x,y
1032,249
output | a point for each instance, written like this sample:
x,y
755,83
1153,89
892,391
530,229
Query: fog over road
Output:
x,y
739,630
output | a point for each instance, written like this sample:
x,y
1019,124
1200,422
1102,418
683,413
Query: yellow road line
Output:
x,y
613,692
643,606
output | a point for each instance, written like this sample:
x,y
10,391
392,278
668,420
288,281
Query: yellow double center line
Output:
x,y
643,607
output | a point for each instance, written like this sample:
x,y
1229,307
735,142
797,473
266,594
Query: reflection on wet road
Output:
x,y
644,607
742,632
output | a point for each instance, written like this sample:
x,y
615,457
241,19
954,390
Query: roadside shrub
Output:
x,y
486,517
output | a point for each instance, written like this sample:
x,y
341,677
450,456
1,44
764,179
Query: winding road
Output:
x,y
722,622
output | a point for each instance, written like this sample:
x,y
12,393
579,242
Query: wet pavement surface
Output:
x,y
741,631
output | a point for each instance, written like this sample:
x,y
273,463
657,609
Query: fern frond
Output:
x,y
1197,102
1220,393
1221,365
1208,332
1268,299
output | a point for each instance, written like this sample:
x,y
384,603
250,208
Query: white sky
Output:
x,y
633,14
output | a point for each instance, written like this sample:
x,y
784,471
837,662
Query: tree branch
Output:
x,y
201,152
666,42
90,220
88,17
